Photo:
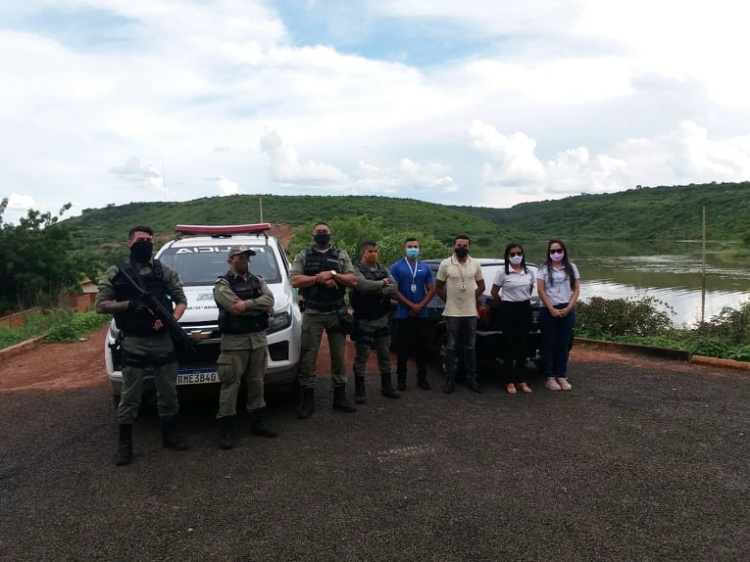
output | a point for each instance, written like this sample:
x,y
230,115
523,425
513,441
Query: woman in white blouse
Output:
x,y
516,283
558,284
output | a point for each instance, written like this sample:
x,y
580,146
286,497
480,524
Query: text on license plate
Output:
x,y
197,376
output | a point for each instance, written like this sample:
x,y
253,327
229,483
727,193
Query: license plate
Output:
x,y
197,376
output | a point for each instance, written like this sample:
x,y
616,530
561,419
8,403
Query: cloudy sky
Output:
x,y
481,102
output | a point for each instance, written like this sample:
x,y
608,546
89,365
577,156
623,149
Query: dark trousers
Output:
x,y
461,332
515,323
556,334
411,342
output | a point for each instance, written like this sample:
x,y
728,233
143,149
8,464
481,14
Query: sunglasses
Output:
x,y
512,254
556,251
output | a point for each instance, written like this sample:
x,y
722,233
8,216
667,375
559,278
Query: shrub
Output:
x,y
613,318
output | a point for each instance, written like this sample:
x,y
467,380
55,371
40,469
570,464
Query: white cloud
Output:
x,y
407,176
688,154
18,202
226,186
519,167
567,97
146,176
286,167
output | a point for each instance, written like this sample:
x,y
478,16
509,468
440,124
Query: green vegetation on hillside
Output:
x,y
98,229
645,213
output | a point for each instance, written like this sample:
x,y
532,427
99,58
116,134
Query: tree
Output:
x,y
37,264
350,232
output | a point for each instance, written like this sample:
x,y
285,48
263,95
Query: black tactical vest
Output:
x,y
140,323
245,289
374,305
318,297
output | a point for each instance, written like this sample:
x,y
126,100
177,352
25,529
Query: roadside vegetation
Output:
x,y
59,325
647,321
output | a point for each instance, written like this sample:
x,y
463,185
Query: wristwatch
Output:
x,y
333,272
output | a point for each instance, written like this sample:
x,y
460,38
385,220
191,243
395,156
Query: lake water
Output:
x,y
668,271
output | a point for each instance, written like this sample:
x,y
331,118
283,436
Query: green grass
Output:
x,y
57,325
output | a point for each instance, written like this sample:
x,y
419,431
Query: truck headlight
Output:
x,y
279,321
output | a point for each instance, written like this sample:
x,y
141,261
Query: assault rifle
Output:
x,y
181,340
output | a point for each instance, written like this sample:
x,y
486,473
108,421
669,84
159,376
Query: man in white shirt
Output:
x,y
459,284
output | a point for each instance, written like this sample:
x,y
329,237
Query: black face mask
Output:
x,y
321,239
140,252
462,252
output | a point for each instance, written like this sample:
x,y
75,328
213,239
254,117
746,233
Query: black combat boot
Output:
x,y
386,388
422,381
125,445
473,384
340,401
169,438
449,385
307,404
259,424
226,432
360,394
401,381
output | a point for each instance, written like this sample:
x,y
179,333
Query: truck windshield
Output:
x,y
202,265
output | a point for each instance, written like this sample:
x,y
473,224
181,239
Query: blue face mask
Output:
x,y
412,253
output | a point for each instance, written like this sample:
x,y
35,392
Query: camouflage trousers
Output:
x,y
372,334
149,356
313,326
234,367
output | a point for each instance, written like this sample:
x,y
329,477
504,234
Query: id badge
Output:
x,y
462,287
413,287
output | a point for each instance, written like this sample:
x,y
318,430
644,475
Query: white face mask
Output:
x,y
516,260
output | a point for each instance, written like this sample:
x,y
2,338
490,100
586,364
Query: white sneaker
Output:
x,y
564,384
552,384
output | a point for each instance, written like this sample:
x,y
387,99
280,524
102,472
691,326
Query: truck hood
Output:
x,y
202,307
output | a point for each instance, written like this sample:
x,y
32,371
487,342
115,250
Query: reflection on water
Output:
x,y
670,276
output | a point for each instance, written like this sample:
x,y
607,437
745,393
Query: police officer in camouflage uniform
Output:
x,y
244,302
322,274
146,344
371,301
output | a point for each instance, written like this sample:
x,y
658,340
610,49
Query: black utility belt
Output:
x,y
142,334
325,306
560,306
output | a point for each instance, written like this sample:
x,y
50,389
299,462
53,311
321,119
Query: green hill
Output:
x,y
110,224
672,213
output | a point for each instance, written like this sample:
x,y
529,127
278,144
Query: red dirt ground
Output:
x,y
62,366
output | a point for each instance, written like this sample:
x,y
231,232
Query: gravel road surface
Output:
x,y
644,460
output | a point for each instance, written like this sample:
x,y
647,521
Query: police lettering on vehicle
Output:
x,y
212,250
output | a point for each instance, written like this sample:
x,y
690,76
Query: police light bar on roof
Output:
x,y
224,230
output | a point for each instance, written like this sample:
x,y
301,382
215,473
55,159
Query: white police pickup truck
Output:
x,y
199,255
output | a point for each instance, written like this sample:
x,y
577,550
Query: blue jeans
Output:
x,y
461,332
556,335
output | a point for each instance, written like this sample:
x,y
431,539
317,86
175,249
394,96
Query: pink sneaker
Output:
x,y
564,384
552,384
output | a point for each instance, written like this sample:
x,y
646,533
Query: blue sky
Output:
x,y
475,102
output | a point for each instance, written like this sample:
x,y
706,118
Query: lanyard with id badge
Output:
x,y
413,275
462,285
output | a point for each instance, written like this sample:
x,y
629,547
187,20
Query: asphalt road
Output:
x,y
644,460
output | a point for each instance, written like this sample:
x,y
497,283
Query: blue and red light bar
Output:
x,y
224,230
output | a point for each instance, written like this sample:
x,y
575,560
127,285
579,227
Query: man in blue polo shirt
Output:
x,y
415,288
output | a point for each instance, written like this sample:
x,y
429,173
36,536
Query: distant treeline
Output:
x,y
654,213
110,224
643,213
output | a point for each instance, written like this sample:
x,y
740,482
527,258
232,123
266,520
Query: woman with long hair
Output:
x,y
558,284
516,283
